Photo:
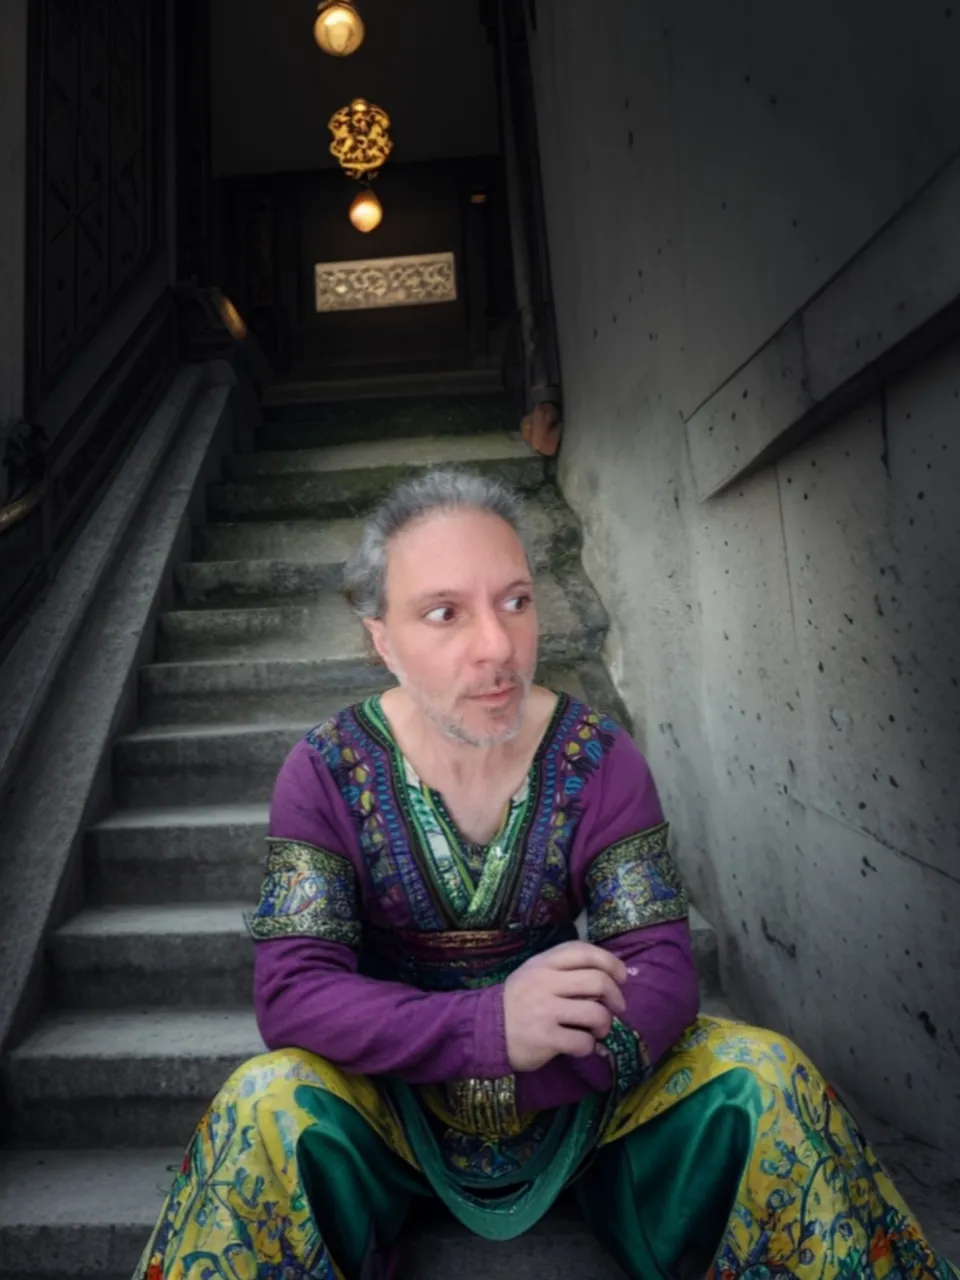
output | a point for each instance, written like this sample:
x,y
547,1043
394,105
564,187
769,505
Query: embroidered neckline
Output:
x,y
474,903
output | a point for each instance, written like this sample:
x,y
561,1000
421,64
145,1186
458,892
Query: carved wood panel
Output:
x,y
96,194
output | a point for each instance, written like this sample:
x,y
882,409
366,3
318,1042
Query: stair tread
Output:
x,y
177,732
326,625
386,386
424,451
92,1189
143,921
154,1035
212,815
330,540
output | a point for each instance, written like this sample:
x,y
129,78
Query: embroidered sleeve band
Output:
x,y
306,892
633,884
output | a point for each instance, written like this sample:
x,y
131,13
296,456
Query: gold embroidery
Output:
x,y
306,892
484,1107
632,884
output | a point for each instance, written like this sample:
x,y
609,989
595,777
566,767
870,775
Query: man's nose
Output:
x,y
492,639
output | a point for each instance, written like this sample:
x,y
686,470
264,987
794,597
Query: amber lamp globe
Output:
x,y
366,211
338,29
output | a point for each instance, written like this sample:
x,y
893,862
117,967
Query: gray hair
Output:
x,y
433,492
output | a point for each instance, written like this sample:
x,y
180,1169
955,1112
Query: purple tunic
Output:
x,y
597,812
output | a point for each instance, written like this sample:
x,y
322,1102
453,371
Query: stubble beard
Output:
x,y
452,726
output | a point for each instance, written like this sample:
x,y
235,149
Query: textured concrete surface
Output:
x,y
852,332
41,823
572,624
255,690
173,954
201,764
206,853
552,531
339,486
124,1078
33,663
786,649
372,455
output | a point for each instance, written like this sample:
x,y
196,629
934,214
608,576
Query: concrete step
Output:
x,y
553,532
348,479
321,624
175,954
225,583
241,583
373,455
209,854
198,954
201,764
73,1215
288,396
293,689
307,424
125,1078
80,1214
309,414
255,690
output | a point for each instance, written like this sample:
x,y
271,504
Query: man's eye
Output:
x,y
517,604
443,613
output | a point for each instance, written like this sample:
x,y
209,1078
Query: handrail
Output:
x,y
14,512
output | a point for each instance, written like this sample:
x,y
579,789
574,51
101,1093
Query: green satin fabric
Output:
x,y
664,1190
359,1190
504,1214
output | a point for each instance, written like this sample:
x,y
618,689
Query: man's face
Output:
x,y
460,629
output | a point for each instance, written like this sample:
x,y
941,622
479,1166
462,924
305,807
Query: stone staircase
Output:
x,y
148,986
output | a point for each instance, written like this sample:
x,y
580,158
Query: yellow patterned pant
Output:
x,y
735,1145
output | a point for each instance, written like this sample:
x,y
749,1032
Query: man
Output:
x,y
436,1025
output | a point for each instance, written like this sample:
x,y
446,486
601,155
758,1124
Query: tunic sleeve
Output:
x,y
623,876
307,928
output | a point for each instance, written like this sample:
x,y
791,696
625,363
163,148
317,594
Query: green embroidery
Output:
x,y
630,1059
475,904
306,892
633,884
475,899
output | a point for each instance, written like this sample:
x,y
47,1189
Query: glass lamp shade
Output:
x,y
366,211
338,29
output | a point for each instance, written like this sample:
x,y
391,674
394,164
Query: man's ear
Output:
x,y
378,638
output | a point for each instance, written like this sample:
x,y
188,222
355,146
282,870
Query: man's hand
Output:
x,y
561,1002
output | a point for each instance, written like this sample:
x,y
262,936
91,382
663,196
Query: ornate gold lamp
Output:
x,y
339,29
362,145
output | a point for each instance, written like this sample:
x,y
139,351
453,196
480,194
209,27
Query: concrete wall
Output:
x,y
429,65
788,648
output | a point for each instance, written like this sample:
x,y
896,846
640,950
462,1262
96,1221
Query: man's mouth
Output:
x,y
495,695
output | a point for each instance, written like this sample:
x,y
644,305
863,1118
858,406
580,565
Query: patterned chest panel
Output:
x,y
398,894
361,768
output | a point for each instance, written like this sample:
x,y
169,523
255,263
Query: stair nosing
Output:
x,y
136,818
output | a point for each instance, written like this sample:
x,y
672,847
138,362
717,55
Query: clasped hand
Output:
x,y
562,1001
